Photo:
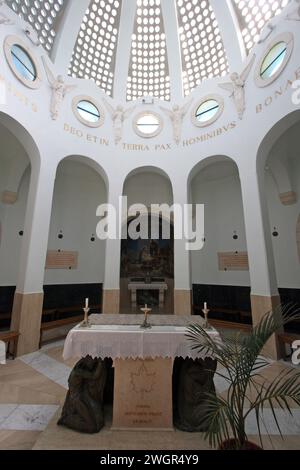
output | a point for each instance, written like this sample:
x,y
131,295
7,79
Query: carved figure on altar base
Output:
x,y
176,114
237,88
83,408
195,380
118,116
59,90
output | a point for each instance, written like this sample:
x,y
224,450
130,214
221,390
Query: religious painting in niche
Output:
x,y
148,258
298,237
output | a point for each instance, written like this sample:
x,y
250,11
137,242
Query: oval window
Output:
x,y
273,60
88,111
23,63
148,124
207,111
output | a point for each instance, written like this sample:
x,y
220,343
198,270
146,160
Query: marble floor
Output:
x,y
33,389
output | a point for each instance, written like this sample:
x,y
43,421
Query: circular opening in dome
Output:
x,y
273,60
148,124
23,63
207,111
87,111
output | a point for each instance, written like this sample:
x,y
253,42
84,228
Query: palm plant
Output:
x,y
241,362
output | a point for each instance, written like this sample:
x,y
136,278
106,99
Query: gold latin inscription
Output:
x,y
17,94
269,100
94,139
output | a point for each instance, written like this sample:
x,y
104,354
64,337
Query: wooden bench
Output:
x,y
52,325
288,338
8,337
238,314
227,325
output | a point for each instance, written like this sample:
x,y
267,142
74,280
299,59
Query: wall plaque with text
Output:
x,y
62,260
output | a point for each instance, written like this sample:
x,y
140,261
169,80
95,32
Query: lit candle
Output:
x,y
205,305
86,303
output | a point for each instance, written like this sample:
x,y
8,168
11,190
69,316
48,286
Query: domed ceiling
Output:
x,y
149,44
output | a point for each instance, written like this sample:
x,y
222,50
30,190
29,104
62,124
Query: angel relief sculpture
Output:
x,y
237,88
176,114
3,18
295,14
118,116
59,90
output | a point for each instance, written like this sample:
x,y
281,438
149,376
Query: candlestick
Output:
x,y
145,323
205,311
85,323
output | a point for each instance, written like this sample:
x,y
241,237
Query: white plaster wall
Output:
x,y
78,191
238,139
284,218
12,221
148,188
223,215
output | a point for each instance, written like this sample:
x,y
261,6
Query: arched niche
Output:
x,y
219,271
152,258
281,189
80,187
19,157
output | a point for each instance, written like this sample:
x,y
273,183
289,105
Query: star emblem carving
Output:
x,y
142,381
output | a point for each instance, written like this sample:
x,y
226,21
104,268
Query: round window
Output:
x,y
148,124
274,60
22,62
87,111
207,111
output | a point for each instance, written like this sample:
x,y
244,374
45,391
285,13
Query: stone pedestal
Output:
x,y
26,319
182,302
143,394
260,306
111,301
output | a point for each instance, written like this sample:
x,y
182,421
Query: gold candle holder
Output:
x,y
85,323
206,311
145,323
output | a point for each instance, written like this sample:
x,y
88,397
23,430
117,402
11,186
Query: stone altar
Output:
x,y
143,363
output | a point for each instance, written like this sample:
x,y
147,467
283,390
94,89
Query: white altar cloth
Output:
x,y
131,342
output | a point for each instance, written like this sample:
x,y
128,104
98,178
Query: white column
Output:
x,y
258,233
231,33
124,49
67,32
111,285
28,300
169,13
264,291
182,267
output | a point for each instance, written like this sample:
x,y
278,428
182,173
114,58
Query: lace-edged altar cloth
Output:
x,y
120,337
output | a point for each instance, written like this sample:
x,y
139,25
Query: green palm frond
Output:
x,y
240,357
